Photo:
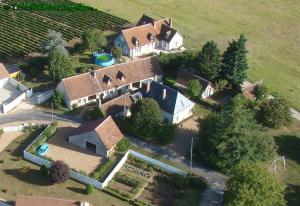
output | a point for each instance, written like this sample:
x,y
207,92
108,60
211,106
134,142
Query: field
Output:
x,y
13,182
272,29
21,32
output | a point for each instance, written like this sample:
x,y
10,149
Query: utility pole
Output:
x,y
51,111
125,105
191,158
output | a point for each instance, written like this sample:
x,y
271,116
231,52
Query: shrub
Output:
x,y
260,92
170,81
117,52
165,133
1,132
58,99
178,181
275,113
221,84
123,145
44,170
24,170
4,190
89,189
59,172
194,88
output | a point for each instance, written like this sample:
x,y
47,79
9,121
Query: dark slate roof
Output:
x,y
173,102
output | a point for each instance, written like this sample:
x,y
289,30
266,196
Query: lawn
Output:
x,y
33,183
272,29
288,141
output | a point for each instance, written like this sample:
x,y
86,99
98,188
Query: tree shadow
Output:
x,y
24,143
31,177
77,190
289,146
292,194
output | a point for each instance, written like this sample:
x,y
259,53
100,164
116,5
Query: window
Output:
x,y
91,97
79,101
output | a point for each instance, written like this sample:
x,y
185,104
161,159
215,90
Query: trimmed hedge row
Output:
x,y
99,174
43,137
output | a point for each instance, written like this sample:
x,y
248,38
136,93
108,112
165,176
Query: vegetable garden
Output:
x,y
22,31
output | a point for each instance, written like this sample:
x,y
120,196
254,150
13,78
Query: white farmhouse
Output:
x,y
147,36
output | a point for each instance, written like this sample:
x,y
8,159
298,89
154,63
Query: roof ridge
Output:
x,y
134,27
107,118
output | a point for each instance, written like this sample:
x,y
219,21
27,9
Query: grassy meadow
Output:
x,y
272,29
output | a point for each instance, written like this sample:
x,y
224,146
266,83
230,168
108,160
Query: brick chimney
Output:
x,y
164,93
93,73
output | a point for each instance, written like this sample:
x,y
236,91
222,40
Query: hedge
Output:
x,y
89,189
43,137
123,145
99,174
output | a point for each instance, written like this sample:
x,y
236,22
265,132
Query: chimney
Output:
x,y
93,73
171,22
84,204
148,86
164,93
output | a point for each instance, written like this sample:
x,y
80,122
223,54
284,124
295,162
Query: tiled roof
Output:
x,y
160,29
3,72
117,104
88,84
183,77
172,103
38,201
106,129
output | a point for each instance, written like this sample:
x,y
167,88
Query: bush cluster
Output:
x,y
123,145
59,172
182,182
89,189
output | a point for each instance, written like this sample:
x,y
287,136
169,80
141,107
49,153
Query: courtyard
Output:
x,y
77,158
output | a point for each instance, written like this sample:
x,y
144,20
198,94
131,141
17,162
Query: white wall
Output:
x,y
182,115
209,90
18,85
44,96
18,128
176,42
3,82
6,107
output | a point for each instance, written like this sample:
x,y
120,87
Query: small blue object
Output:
x,y
104,59
43,149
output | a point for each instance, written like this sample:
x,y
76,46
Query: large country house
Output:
x,y
147,36
103,83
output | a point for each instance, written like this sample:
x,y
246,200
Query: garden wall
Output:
x,y
9,106
19,128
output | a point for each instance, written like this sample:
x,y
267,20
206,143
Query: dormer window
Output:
x,y
150,37
107,79
121,76
135,41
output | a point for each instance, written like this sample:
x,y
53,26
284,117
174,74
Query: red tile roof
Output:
x,y
3,72
106,129
44,201
183,77
160,29
116,105
91,83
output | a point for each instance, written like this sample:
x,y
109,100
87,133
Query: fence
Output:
x,y
18,128
97,184
9,106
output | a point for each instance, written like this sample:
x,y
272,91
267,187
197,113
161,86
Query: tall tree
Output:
x,y
232,135
93,39
54,41
210,61
60,65
146,117
251,184
234,62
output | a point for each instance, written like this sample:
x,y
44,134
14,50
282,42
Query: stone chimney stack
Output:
x,y
164,93
148,86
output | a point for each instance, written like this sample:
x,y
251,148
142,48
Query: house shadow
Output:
x,y
289,146
77,190
32,177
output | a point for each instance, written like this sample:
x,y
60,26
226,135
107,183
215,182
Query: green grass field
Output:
x,y
272,29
